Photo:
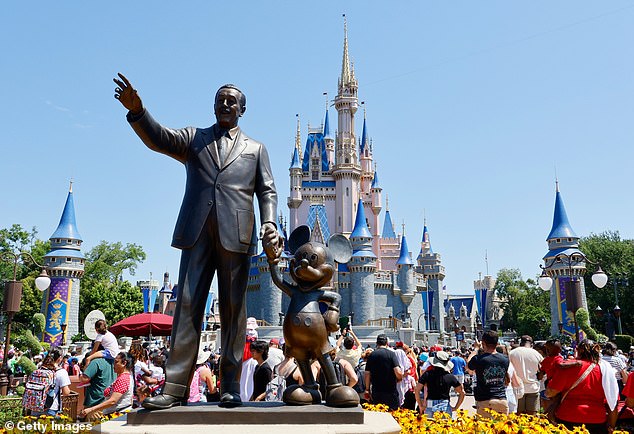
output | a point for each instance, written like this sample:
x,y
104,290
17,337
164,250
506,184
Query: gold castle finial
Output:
x,y
345,67
298,137
387,203
70,188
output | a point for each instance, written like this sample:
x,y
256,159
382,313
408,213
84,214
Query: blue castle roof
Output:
x,y
375,180
388,227
318,140
67,227
561,226
295,164
327,127
360,224
364,137
404,259
61,253
426,240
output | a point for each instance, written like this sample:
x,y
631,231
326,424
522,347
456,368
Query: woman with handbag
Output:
x,y
584,390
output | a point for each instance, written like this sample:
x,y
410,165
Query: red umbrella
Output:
x,y
144,324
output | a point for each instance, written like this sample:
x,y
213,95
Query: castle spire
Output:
x,y
364,135
360,224
67,227
404,258
298,136
346,72
561,226
326,126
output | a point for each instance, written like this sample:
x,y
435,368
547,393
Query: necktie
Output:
x,y
223,144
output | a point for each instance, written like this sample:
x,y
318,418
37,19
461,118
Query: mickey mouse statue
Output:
x,y
306,326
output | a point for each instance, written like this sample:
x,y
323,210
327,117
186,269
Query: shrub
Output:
x,y
26,365
25,341
624,342
39,322
10,409
583,321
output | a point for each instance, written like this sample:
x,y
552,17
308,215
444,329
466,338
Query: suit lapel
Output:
x,y
210,140
238,147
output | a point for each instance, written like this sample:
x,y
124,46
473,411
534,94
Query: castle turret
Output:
x,y
65,264
405,274
329,140
430,265
389,243
562,240
347,170
165,293
362,267
367,171
295,198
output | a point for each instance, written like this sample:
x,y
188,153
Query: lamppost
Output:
x,y
63,327
618,279
350,318
281,315
11,304
572,286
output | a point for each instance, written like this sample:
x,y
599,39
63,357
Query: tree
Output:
x,y
16,240
107,261
116,300
616,257
526,306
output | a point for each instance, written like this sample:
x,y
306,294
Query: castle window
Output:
x,y
58,241
315,175
347,192
559,240
69,259
339,221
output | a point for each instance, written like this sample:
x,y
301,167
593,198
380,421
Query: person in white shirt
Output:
x,y
107,340
526,362
61,382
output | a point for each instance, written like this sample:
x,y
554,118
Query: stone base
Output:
x,y
260,418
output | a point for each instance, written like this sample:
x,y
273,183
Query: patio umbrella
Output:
x,y
144,324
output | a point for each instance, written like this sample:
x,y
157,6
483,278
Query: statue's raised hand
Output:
x,y
127,95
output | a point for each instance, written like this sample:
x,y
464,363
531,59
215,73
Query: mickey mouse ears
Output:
x,y
339,246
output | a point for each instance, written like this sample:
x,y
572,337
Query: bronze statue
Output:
x,y
306,328
215,231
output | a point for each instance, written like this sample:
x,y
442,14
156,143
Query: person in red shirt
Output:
x,y
628,391
553,359
585,404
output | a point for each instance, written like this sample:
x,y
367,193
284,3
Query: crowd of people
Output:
x,y
589,384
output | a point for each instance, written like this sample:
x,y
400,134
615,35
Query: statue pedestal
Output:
x,y
253,417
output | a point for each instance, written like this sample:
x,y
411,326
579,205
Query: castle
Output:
x,y
335,188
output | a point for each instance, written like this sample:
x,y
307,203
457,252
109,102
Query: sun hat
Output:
x,y
202,357
252,323
441,360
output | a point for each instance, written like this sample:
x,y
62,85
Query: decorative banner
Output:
x,y
57,309
565,316
483,302
430,305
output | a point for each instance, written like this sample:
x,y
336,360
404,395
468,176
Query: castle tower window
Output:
x,y
69,259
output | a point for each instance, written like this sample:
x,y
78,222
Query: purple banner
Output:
x,y
57,309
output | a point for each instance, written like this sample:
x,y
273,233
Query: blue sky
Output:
x,y
472,107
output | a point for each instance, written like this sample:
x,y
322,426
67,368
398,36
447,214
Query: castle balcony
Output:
x,y
390,323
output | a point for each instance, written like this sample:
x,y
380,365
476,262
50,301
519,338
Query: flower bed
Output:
x,y
413,423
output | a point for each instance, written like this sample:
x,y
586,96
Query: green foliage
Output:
x,y
26,365
106,262
24,340
526,306
116,300
79,337
10,409
45,346
624,342
616,257
583,321
19,390
38,322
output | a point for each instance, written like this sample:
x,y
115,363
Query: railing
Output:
x,y
262,323
386,323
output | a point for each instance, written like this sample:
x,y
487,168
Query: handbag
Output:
x,y
558,399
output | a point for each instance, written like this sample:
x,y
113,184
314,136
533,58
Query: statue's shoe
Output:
x,y
230,400
338,395
301,395
162,402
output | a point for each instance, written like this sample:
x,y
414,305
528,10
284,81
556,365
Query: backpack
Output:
x,y
275,388
360,386
39,390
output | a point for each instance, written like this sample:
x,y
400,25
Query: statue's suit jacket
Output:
x,y
230,186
